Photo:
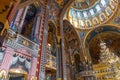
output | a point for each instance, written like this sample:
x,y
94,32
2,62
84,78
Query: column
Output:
x,y
13,11
40,73
37,27
23,19
17,19
32,72
61,71
7,60
59,62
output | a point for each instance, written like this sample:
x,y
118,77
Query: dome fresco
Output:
x,y
82,4
98,13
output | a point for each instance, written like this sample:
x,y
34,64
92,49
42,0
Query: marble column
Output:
x,y
23,19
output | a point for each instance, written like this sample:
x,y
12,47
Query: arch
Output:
x,y
98,28
77,62
72,38
101,32
65,8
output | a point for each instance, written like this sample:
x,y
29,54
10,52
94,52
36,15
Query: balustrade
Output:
x,y
17,41
50,60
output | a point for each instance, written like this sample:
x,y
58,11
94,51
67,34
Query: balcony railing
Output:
x,y
50,60
85,73
17,41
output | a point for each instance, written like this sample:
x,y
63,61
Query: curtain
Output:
x,y
27,64
15,59
22,59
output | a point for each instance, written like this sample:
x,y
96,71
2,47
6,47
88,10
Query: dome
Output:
x,y
83,4
86,14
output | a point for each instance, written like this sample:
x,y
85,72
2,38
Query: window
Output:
x,y
85,14
103,2
74,13
79,15
98,8
92,12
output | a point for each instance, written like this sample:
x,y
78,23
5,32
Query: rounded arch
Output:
x,y
65,8
97,29
72,38
108,33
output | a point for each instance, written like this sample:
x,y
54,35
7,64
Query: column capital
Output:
x,y
58,39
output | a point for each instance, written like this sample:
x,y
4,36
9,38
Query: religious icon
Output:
x,y
102,17
88,23
112,4
108,11
95,21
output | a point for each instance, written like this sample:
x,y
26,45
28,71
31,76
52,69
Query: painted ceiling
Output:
x,y
92,16
55,9
83,4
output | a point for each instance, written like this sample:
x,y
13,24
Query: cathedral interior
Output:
x,y
59,40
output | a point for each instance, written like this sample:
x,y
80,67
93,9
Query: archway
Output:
x,y
103,46
73,52
106,33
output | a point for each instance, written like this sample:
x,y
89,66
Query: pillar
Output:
x,y
13,11
37,27
23,19
7,60
32,72
59,62
40,73
15,23
61,71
